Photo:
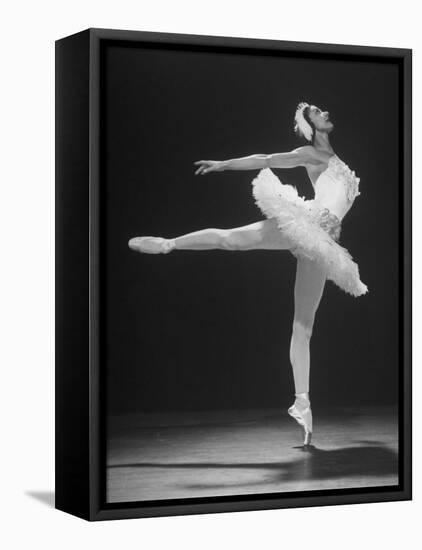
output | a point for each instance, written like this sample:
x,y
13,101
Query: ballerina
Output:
x,y
309,229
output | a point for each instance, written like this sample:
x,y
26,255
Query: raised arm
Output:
x,y
298,157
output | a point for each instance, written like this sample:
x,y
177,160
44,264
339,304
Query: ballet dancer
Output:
x,y
309,229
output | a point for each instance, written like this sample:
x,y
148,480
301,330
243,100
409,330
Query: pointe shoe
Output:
x,y
302,413
151,245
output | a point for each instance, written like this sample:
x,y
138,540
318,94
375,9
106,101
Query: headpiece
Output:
x,y
301,123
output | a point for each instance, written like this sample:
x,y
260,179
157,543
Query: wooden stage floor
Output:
x,y
191,454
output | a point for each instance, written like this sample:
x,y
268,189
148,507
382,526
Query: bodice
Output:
x,y
336,187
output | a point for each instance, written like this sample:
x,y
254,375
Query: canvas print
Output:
x,y
251,258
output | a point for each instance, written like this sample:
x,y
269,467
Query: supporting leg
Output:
x,y
309,287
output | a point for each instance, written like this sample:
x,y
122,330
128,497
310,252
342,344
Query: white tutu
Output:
x,y
313,230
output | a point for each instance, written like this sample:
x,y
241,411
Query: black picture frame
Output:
x,y
80,442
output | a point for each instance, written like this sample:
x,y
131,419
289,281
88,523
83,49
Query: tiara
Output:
x,y
301,123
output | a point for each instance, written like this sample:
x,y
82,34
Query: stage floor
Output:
x,y
187,455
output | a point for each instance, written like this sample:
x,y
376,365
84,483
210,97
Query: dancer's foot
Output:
x,y
151,245
302,413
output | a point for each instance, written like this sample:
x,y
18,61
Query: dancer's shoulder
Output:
x,y
308,154
302,156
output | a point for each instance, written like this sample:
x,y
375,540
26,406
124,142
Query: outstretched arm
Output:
x,y
298,157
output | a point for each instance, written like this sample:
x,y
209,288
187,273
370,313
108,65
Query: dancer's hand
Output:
x,y
206,166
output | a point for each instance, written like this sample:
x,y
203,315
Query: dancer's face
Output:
x,y
321,119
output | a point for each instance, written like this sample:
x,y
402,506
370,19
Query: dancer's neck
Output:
x,y
322,142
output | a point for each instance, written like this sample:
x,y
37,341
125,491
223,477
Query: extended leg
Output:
x,y
260,235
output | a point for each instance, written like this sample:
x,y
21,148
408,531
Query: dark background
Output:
x,y
211,329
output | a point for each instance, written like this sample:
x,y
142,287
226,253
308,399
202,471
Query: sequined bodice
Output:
x,y
336,188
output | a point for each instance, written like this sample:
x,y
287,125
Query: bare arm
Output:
x,y
298,157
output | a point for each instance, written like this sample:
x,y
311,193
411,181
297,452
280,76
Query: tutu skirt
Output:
x,y
313,230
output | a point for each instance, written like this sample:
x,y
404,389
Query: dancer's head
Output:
x,y
309,119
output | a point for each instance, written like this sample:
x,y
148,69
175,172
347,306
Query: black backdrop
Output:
x,y
211,329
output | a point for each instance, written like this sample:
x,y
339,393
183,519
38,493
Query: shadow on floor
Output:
x,y
369,459
45,497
